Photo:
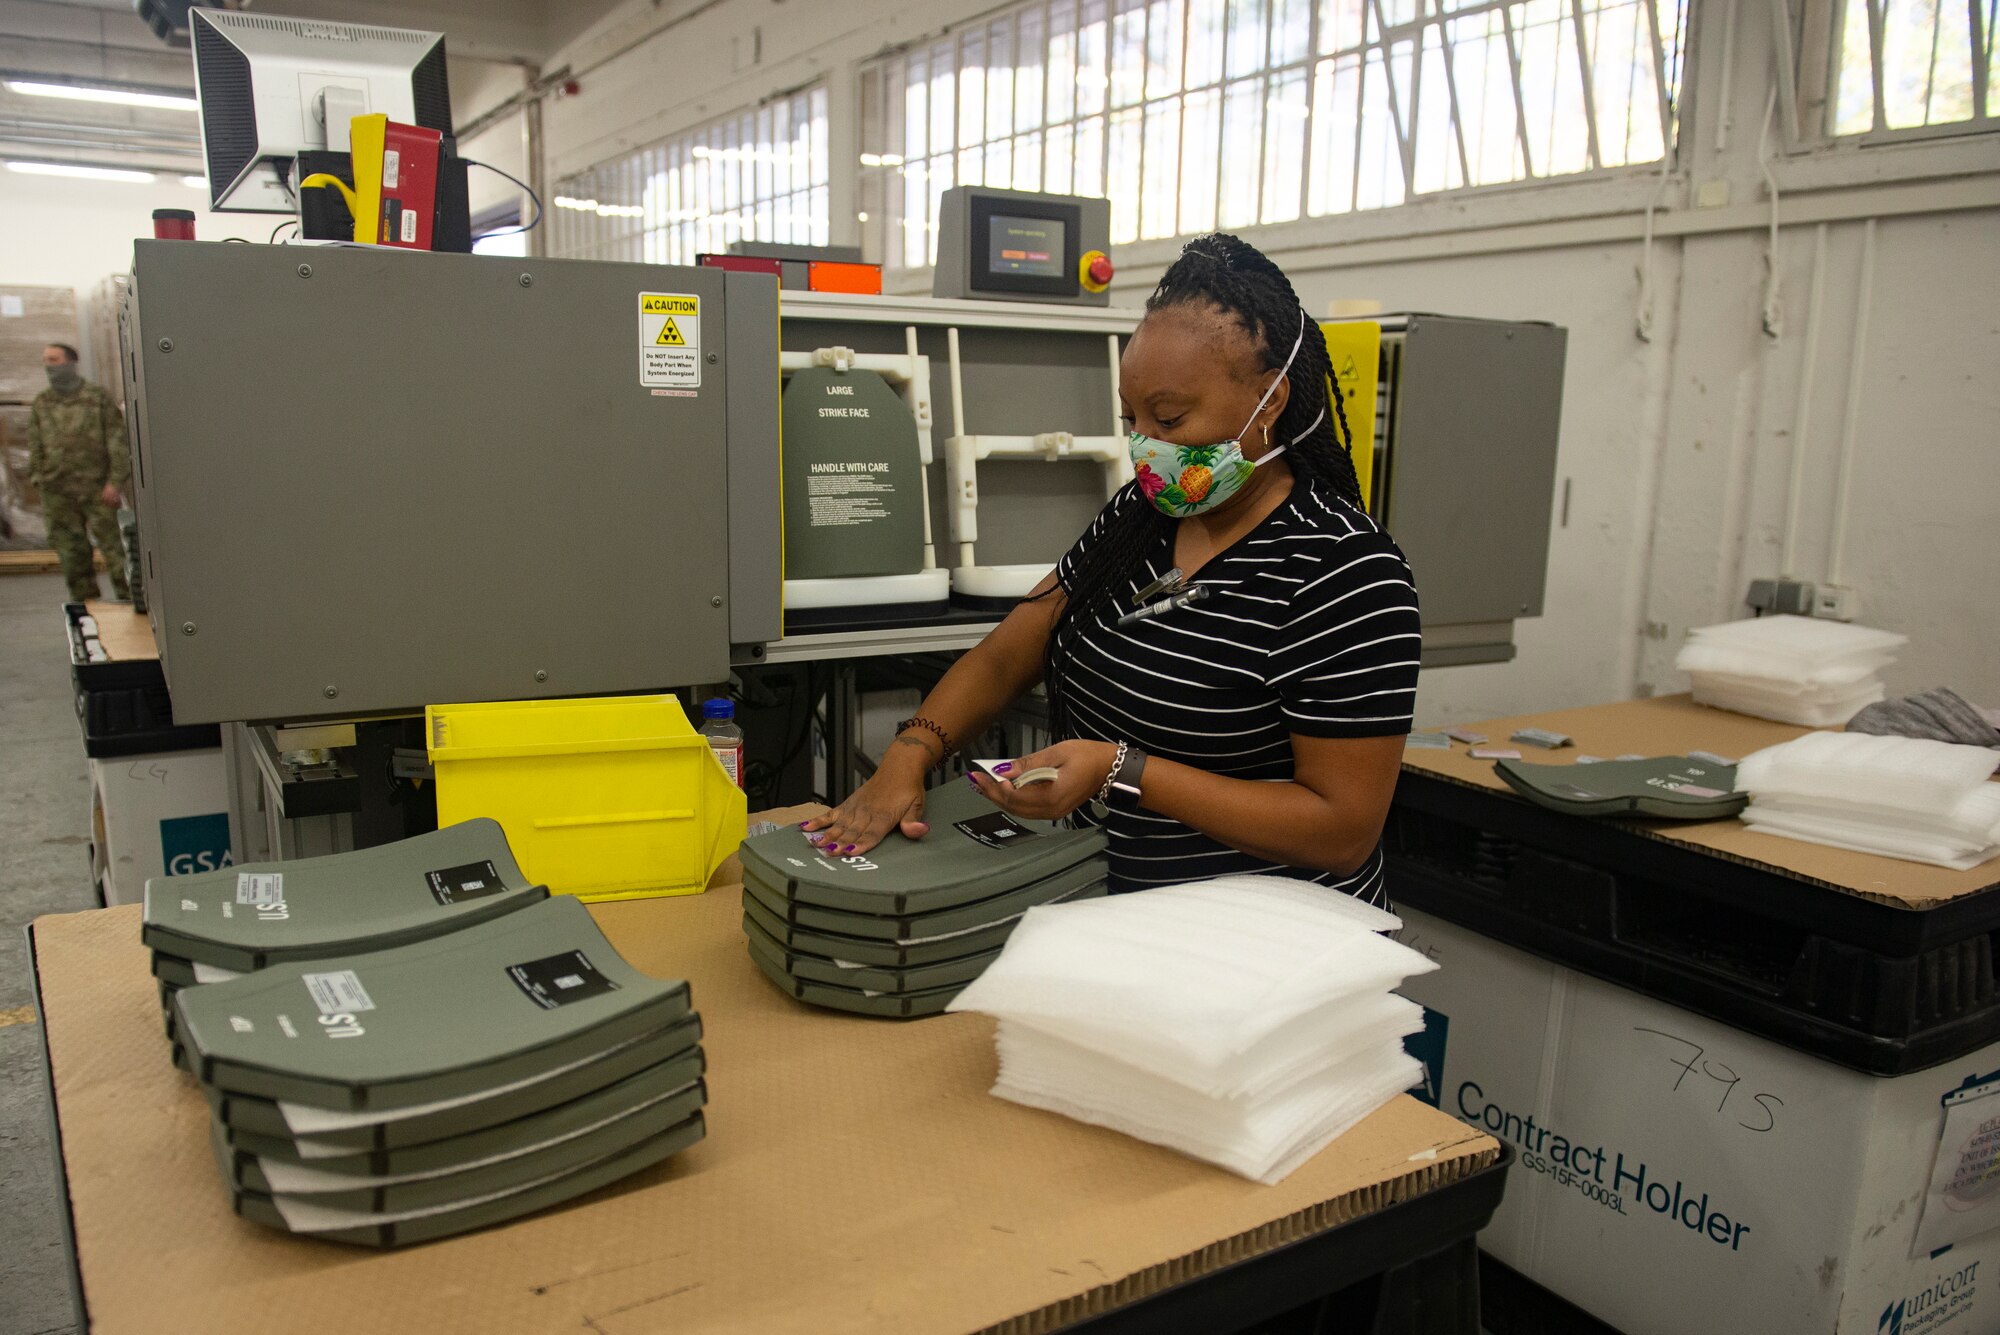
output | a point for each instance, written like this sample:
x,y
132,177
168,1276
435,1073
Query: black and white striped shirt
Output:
x,y
1310,628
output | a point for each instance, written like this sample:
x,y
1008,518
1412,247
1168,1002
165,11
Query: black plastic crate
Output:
x,y
104,676
1872,986
123,707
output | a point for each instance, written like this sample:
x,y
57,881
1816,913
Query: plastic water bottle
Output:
x,y
724,737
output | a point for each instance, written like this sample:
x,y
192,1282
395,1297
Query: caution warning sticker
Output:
x,y
669,340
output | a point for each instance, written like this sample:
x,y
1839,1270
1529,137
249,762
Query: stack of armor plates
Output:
x,y
428,1089
901,930
219,925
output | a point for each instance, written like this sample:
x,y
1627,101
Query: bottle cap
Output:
x,y
718,708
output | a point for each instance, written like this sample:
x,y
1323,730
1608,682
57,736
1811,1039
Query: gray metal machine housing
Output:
x,y
1027,369
374,479
1466,423
957,274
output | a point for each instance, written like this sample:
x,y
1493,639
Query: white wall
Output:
x,y
62,232
477,85
1676,451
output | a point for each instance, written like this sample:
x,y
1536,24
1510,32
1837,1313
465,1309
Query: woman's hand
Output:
x,y
893,799
1081,769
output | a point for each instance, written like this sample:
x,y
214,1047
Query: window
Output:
x,y
1197,114
501,243
1910,65
759,175
497,230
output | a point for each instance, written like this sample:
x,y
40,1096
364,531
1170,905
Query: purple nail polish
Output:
x,y
847,850
1006,767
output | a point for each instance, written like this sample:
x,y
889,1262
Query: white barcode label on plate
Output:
x,y
335,993
261,889
409,226
392,168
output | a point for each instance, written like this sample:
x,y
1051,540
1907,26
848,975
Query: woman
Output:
x,y
1231,650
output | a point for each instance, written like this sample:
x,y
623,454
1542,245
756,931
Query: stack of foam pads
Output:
x,y
1901,797
214,926
900,931
1247,1021
1789,668
457,1080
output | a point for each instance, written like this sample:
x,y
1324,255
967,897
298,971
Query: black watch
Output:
x,y
1125,778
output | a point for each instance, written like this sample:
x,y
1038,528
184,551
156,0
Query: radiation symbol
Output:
x,y
670,335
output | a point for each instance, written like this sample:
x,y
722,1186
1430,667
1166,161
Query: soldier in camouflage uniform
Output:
x,y
80,461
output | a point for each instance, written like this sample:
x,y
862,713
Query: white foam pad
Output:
x,y
1936,850
1321,1037
1786,646
1974,819
1182,979
1263,1139
1912,774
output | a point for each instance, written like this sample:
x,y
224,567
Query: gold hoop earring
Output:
x,y
1267,436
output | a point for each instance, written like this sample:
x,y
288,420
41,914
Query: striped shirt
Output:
x,y
1310,627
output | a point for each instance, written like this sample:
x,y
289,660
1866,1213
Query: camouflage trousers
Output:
x,y
73,524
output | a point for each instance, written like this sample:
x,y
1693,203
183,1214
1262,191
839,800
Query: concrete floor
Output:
x,y
45,849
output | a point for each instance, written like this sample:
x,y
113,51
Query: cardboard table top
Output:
x,y
125,634
1675,725
857,1177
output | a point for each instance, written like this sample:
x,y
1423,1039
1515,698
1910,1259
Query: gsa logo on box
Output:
x,y
189,844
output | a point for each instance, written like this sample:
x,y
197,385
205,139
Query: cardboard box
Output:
x,y
31,318
1679,1175
103,354
20,499
164,814
857,1177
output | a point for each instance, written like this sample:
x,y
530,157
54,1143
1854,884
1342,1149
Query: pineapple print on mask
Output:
x,y
1182,480
1197,473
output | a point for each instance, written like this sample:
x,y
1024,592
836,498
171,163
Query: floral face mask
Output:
x,y
1182,480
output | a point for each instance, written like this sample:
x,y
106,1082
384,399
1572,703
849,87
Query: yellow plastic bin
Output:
x,y
612,798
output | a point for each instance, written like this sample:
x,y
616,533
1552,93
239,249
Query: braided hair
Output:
x,y
1232,276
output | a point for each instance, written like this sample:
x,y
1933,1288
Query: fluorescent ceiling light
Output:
x,y
195,182
125,97
79,170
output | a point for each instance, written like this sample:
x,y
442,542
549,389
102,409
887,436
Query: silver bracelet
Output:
x,y
1117,763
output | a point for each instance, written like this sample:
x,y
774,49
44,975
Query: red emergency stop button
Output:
x,y
1095,271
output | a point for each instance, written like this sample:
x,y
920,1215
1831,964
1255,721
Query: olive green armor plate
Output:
x,y
946,868
473,1010
369,1232
248,917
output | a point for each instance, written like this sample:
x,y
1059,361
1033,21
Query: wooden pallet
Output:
x,y
38,561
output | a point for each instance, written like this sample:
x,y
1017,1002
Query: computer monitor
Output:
x,y
265,85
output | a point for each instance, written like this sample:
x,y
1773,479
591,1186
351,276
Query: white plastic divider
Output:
x,y
909,373
963,452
